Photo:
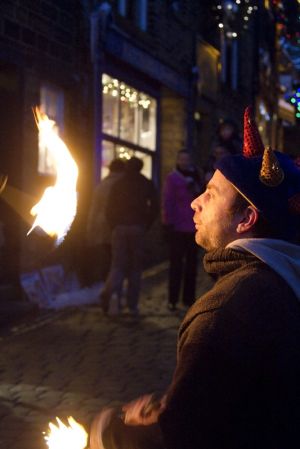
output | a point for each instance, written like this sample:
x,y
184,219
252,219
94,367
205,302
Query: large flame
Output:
x,y
62,436
56,209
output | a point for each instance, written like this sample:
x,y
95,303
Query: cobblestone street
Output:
x,y
74,362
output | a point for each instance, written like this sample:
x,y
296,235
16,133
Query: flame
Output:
x,y
56,209
62,436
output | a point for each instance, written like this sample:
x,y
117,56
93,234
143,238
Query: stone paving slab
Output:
x,y
76,361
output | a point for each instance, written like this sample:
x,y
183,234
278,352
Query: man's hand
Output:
x,y
142,411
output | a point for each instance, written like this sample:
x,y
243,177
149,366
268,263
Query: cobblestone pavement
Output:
x,y
74,362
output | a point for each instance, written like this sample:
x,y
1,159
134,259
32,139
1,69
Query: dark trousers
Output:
x,y
127,262
183,267
95,263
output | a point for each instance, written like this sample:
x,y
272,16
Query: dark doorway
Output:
x,y
10,164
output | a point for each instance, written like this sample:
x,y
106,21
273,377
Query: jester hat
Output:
x,y
267,179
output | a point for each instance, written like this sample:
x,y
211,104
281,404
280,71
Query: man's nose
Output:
x,y
196,203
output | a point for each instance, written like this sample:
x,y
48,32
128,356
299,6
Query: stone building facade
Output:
x,y
121,78
43,62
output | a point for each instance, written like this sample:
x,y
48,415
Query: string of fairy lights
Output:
x,y
127,94
234,16
287,17
295,101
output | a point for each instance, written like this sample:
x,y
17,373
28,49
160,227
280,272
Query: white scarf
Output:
x,y
283,257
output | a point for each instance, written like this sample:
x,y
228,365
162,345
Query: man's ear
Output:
x,y
248,219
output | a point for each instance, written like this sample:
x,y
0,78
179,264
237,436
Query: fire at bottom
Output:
x,y
61,436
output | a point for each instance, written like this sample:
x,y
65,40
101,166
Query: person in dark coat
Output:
x,y
236,382
132,207
98,233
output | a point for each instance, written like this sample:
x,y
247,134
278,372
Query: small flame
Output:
x,y
62,436
56,209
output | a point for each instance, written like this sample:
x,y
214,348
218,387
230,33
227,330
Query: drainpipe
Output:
x,y
99,22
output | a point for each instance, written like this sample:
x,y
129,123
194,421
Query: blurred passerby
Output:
x,y
98,230
131,209
227,135
219,150
181,186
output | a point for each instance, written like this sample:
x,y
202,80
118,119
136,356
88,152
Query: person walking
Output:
x,y
218,151
227,135
98,229
236,381
181,186
131,209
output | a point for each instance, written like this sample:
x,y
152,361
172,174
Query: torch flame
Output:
x,y
62,436
56,209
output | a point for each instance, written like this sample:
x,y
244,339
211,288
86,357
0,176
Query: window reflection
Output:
x,y
147,119
129,114
108,154
110,116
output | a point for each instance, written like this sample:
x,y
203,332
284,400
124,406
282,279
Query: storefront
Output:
x,y
129,124
130,110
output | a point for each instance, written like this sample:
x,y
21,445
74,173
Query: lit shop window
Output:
x,y
128,114
52,104
111,151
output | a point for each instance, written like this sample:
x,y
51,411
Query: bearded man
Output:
x,y
236,382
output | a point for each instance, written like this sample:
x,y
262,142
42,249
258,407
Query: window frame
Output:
x,y
117,140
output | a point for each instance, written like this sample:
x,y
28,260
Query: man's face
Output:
x,y
214,221
220,152
184,161
226,131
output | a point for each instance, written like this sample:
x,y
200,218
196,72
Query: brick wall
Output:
x,y
45,41
170,34
41,30
173,129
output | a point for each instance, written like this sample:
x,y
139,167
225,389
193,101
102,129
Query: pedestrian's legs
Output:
x,y
105,260
108,431
113,283
176,253
190,270
136,236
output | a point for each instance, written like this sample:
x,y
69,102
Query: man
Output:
x,y
236,383
131,209
181,186
98,229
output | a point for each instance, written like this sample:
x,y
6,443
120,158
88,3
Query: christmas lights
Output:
x,y
128,94
233,16
295,101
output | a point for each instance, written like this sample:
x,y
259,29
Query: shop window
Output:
x,y
52,104
110,118
128,116
128,113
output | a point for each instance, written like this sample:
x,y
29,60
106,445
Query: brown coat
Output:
x,y
236,384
